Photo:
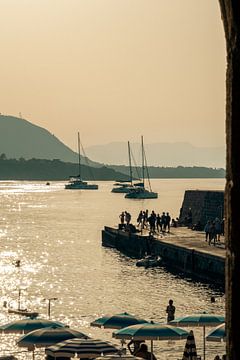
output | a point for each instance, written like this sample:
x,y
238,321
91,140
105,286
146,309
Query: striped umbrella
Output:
x,y
217,334
190,351
117,321
82,348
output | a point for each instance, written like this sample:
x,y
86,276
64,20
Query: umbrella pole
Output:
x,y
204,343
151,349
33,355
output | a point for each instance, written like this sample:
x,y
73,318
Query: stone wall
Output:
x,y
196,264
204,204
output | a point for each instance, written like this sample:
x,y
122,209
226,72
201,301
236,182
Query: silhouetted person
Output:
x,y
170,310
144,353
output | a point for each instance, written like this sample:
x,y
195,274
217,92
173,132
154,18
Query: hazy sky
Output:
x,y
115,69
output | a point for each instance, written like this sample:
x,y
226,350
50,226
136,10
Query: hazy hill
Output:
x,y
20,138
39,169
160,154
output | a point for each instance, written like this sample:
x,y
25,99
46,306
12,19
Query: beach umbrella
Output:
x,y
49,336
151,331
217,334
190,351
117,321
27,325
81,348
202,320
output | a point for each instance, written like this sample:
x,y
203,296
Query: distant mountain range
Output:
x,y
20,138
28,144
159,154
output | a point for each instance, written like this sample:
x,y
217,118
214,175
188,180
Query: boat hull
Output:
x,y
121,190
149,262
23,312
141,195
81,186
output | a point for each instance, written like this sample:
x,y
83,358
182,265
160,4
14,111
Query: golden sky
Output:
x,y
115,69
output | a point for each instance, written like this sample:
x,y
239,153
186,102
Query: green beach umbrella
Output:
x,y
217,334
27,325
117,321
49,336
151,331
201,320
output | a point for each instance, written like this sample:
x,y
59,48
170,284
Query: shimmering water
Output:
x,y
56,233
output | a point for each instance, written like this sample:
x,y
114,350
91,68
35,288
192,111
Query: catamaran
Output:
x,y
139,191
76,182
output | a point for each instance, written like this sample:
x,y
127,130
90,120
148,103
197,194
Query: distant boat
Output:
x,y
76,182
18,310
150,261
140,191
127,185
23,312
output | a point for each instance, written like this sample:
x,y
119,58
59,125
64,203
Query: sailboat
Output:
x,y
76,182
127,185
139,191
19,310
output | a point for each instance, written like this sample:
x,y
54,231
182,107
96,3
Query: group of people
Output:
x,y
213,231
152,221
217,357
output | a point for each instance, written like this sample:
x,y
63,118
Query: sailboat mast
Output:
x,y
143,165
79,157
19,299
130,162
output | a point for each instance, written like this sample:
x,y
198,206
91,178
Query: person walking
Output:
x,y
207,230
212,233
218,229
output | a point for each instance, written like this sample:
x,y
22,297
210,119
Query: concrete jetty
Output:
x,y
182,250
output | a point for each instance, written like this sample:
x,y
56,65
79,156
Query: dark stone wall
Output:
x,y
205,205
203,266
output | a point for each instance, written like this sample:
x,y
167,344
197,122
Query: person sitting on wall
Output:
x,y
189,217
131,228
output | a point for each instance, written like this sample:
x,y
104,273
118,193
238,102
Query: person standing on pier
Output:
x,y
168,220
170,310
122,216
127,217
159,223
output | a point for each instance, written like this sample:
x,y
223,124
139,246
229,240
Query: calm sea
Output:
x,y
56,233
